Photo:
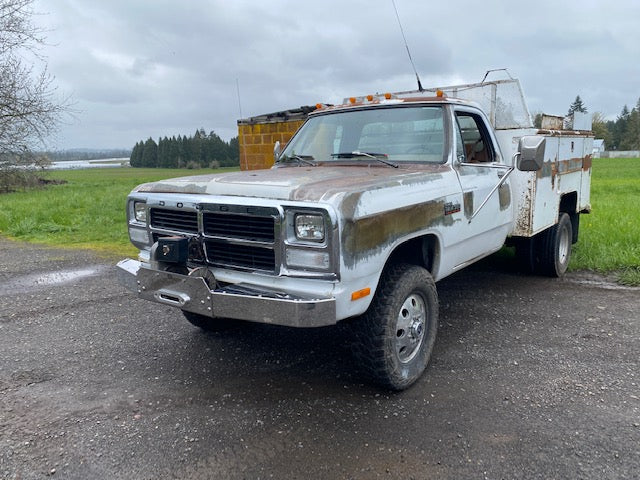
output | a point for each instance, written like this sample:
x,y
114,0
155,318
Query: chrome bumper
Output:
x,y
240,302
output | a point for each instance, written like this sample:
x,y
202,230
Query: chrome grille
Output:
x,y
232,236
174,220
246,227
244,256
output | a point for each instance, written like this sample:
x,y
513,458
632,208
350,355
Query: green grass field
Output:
x,y
86,212
610,235
89,212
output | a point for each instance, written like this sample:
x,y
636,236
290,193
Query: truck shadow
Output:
x,y
287,358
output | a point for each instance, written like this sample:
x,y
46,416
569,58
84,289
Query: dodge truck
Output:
x,y
368,205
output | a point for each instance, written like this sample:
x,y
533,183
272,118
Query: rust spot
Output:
x,y
565,133
372,232
586,163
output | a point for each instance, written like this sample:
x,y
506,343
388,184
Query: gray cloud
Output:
x,y
155,68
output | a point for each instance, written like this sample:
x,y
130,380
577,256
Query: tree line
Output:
x,y
623,133
201,150
86,154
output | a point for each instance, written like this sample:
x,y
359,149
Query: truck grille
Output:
x,y
230,255
230,239
174,220
238,226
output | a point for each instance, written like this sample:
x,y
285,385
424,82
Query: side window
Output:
x,y
460,152
477,145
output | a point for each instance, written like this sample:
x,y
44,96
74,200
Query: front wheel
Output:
x,y
397,333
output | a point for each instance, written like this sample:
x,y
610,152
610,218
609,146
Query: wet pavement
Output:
x,y
531,378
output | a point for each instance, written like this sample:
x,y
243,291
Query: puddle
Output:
x,y
36,281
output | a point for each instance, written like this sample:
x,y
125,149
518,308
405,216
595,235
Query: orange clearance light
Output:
x,y
439,93
352,99
318,106
360,294
370,97
387,96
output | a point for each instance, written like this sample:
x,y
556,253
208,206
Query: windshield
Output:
x,y
398,134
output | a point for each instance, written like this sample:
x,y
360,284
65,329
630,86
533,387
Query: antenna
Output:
x,y
407,47
239,103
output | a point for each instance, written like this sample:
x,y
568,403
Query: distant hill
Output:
x,y
86,154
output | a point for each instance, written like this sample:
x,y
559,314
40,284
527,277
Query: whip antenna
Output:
x,y
238,91
407,47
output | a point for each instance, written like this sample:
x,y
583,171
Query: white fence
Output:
x,y
620,154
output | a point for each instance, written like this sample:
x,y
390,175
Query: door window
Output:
x,y
476,143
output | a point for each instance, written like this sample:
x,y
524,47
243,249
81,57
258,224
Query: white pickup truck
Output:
x,y
370,203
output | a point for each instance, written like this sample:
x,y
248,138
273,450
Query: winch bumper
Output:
x,y
241,302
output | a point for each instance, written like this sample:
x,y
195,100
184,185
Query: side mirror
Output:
x,y
531,153
277,150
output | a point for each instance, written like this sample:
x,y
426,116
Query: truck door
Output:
x,y
487,203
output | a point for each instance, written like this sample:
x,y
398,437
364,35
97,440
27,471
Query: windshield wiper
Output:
x,y
381,157
301,159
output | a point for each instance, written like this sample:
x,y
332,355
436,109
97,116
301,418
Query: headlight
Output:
x,y
309,227
140,211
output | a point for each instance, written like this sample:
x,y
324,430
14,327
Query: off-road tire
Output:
x,y
395,337
553,248
526,254
209,324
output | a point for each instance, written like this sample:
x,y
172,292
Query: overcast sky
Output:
x,y
150,68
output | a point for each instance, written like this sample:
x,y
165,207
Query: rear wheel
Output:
x,y
397,333
554,248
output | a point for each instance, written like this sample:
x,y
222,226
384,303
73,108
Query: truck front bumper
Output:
x,y
241,302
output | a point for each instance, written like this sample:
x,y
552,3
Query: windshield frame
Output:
x,y
441,157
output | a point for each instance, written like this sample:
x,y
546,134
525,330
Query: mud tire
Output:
x,y
553,248
395,337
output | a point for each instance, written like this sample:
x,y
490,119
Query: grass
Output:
x,y
610,235
89,212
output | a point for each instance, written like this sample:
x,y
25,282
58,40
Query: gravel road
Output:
x,y
531,378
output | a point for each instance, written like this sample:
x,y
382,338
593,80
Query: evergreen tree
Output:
x,y
135,155
631,136
577,106
150,154
200,150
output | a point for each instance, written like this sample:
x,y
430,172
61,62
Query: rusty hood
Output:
x,y
314,184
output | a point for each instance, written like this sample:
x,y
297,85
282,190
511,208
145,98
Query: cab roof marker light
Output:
x,y
440,93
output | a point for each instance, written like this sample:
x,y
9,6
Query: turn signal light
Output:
x,y
360,294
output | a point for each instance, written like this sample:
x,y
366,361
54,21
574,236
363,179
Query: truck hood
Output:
x,y
314,184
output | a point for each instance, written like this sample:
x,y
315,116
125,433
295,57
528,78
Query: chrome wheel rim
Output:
x,y
563,246
410,328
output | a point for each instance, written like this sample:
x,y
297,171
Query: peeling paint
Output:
x,y
368,234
